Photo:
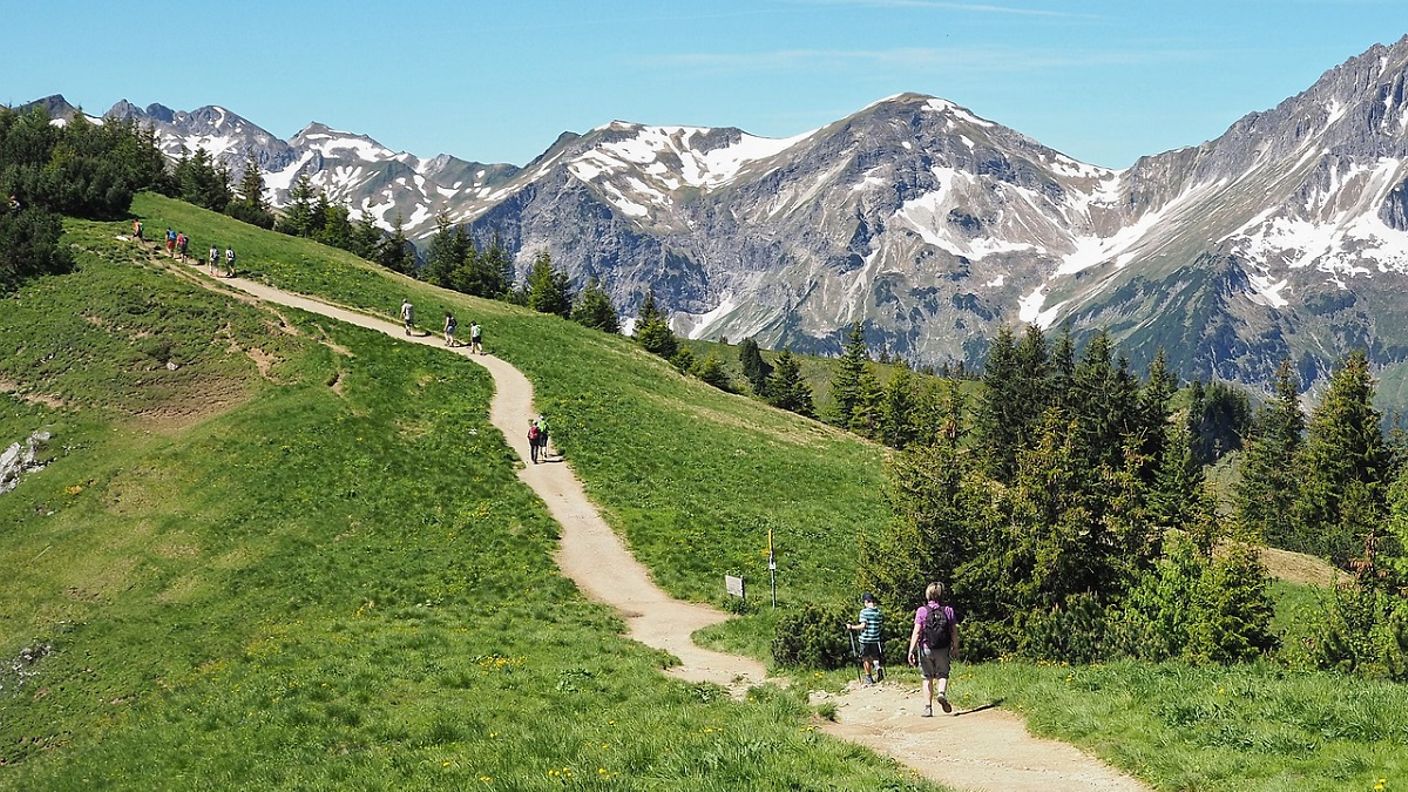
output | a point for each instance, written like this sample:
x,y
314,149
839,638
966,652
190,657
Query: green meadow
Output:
x,y
297,556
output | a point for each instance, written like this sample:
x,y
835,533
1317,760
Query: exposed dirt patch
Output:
x,y
45,399
262,360
336,383
203,401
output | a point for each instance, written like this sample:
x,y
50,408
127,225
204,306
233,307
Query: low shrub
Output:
x,y
813,636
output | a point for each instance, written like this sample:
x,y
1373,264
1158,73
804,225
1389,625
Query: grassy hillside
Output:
x,y
298,556
692,477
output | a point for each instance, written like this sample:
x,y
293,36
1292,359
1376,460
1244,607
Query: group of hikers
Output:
x,y
538,439
450,329
176,243
932,643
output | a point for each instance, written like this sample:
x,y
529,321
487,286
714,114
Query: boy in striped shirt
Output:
x,y
870,624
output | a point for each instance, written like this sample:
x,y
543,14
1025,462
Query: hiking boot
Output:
x,y
928,711
943,702
869,680
879,674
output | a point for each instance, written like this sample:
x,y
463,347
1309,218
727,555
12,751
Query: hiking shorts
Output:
x,y
934,663
869,651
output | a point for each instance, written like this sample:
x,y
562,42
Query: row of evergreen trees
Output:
x,y
1069,510
78,168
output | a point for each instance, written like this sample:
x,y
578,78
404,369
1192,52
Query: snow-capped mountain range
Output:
x,y
1287,236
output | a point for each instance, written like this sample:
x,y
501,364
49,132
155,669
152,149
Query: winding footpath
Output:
x,y
982,750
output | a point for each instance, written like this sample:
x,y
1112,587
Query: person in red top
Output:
x,y
932,644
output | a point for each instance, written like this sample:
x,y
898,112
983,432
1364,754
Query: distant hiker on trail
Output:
x,y
408,315
869,625
935,637
214,259
170,243
450,327
535,437
476,335
181,242
229,262
542,424
137,230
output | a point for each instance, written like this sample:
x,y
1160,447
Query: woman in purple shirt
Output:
x,y
935,639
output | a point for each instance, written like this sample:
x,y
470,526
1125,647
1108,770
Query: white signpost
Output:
x,y
734,586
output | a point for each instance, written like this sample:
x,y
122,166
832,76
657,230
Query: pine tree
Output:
x,y
594,309
787,389
1063,373
1178,485
653,331
870,398
298,215
711,370
366,237
755,369
395,251
997,418
447,252
1265,492
548,289
251,188
898,411
845,389
1344,450
1159,387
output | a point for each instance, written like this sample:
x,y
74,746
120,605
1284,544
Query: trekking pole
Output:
x,y
855,654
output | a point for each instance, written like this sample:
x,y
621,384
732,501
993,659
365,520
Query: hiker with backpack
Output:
x,y
181,242
214,260
542,424
229,262
534,440
137,229
450,327
869,626
932,644
170,243
408,314
476,335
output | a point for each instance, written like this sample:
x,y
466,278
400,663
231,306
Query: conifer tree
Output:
x,y
494,271
366,237
870,397
1343,455
899,408
250,204
548,289
997,416
395,252
1265,493
594,309
1178,485
755,369
845,389
1063,372
337,227
298,214
1159,387
787,389
711,370
653,331
446,253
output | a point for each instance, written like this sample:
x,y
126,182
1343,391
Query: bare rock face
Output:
x,y
22,458
1287,236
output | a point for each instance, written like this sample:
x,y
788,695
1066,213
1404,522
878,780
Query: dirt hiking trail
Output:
x,y
981,750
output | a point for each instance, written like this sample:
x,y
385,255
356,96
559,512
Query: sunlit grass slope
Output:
x,y
693,477
298,557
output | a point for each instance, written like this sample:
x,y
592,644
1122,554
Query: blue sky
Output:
x,y
1102,80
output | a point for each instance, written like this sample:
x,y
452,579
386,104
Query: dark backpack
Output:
x,y
936,628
